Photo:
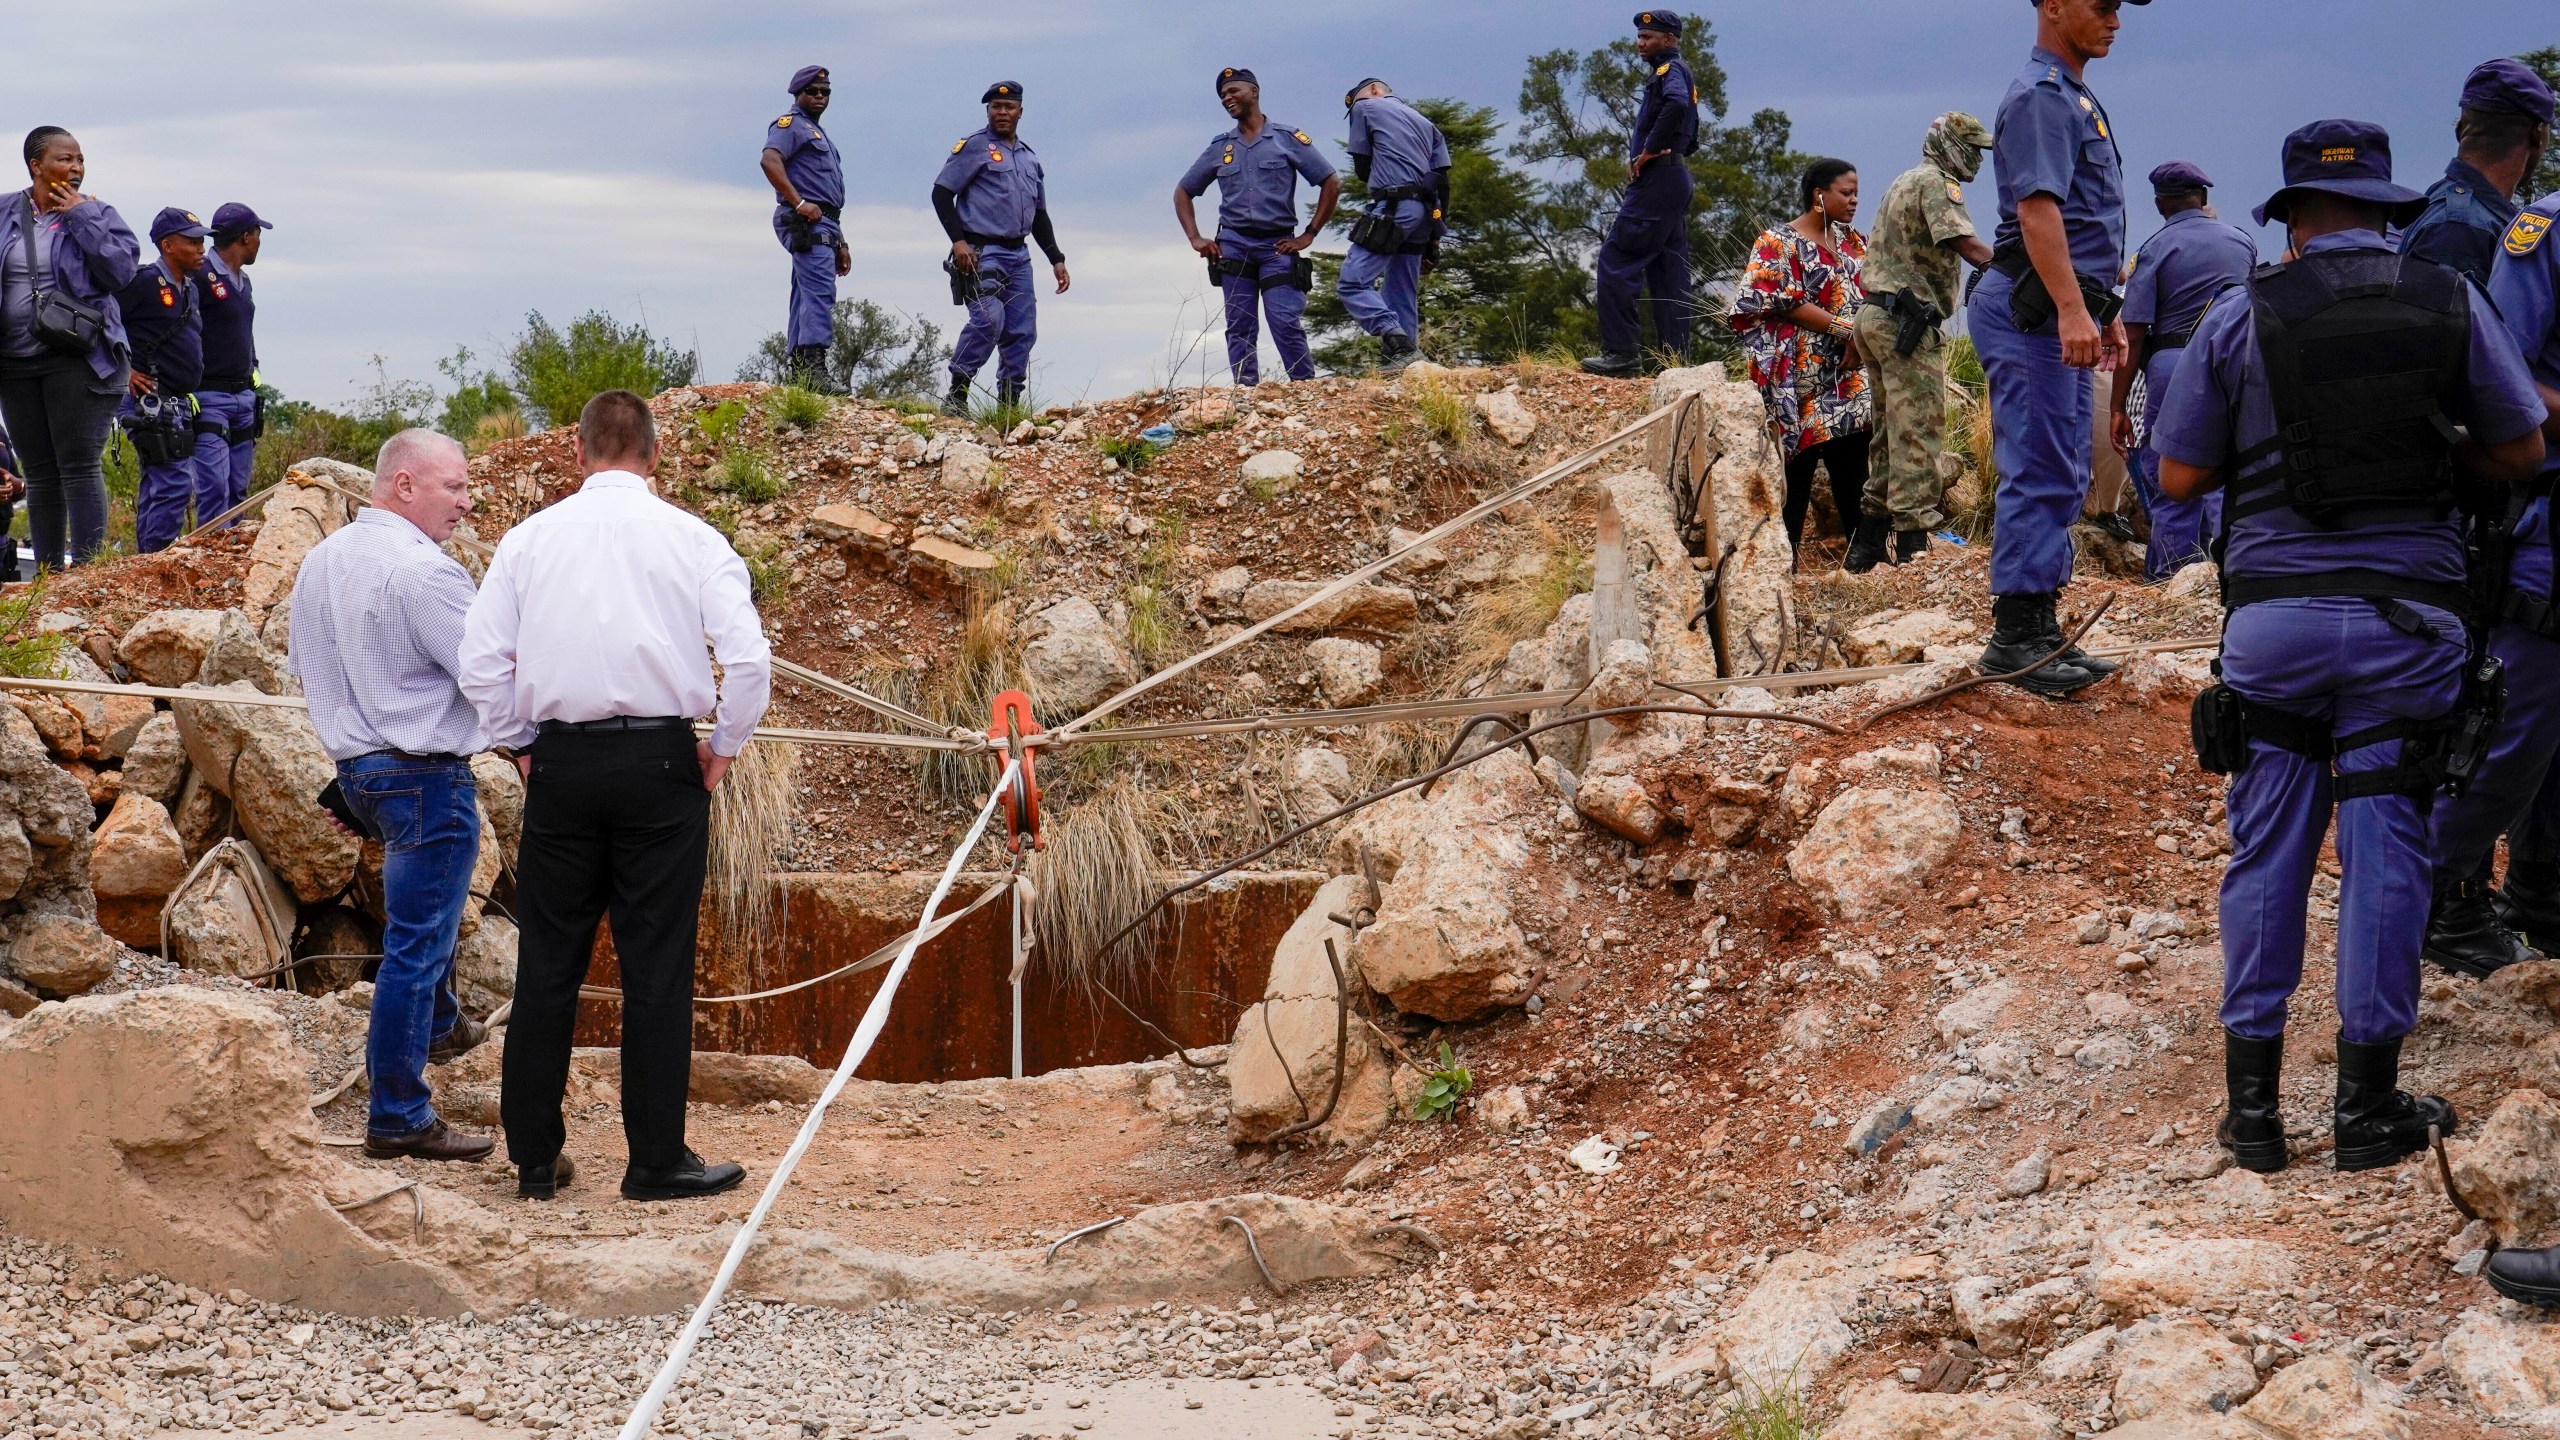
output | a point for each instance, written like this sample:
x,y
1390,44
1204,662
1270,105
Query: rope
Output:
x,y
874,1020
864,698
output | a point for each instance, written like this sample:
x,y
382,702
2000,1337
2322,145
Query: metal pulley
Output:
x,y
1011,724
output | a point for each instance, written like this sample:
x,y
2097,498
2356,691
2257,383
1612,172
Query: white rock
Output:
x,y
2172,1367
2028,1176
1274,472
1785,1335
1883,1412
1315,781
1595,1156
1954,1098
1620,803
2509,1367
966,468
1871,848
2146,1272
1510,421
1075,658
1974,1011
1901,637
1348,672
2080,1359
2004,1325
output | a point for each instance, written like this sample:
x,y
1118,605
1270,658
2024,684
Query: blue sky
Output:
x,y
436,171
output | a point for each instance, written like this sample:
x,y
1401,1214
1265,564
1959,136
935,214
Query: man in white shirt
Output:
x,y
377,622
587,643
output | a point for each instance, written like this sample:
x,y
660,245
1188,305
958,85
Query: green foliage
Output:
x,y
1133,452
745,474
1448,415
1779,1413
1441,1093
2546,63
796,408
880,353
768,571
1000,417
556,372
25,651
481,409
719,424
1155,617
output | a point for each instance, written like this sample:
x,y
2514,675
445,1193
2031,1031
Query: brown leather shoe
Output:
x,y
437,1142
541,1182
465,1037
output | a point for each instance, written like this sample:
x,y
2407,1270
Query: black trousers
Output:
x,y
1844,457
615,823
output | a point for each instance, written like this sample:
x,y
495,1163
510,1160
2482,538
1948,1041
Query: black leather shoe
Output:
x,y
2378,1123
2018,640
2465,935
2532,1276
956,403
1613,365
541,1182
1867,547
1396,351
438,1141
688,1179
2530,903
2252,1129
1909,545
466,1036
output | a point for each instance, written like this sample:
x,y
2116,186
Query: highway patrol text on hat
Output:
x,y
1664,21
2342,157
2178,177
1002,90
177,221
806,76
2509,86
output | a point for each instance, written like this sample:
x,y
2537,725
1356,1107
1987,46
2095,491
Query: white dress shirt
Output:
x,y
613,602
377,623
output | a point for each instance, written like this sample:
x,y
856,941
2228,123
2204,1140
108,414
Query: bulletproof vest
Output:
x,y
2365,354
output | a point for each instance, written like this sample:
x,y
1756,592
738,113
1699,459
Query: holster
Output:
x,y
967,287
162,431
1378,231
799,236
257,426
1301,275
2484,705
2218,723
2031,305
1914,320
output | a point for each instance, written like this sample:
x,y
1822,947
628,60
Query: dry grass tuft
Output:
x,y
1518,607
1097,871
752,818
1447,414
960,688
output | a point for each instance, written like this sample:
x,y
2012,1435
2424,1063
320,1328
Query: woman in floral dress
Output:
x,y
1796,311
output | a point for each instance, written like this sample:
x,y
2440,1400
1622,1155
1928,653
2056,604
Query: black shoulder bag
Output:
x,y
62,323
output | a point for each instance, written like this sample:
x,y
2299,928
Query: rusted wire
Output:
x,y
1970,681
1062,1240
1341,1052
1255,1246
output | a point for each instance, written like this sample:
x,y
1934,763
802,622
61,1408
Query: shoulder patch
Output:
x,y
959,145
1955,192
2525,236
1302,137
1662,69
782,124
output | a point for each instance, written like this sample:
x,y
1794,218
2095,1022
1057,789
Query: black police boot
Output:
x,y
2018,640
956,403
1396,350
2378,1123
1009,394
809,369
2253,1073
2052,623
2530,902
1909,545
1613,364
2466,935
2532,1276
1866,548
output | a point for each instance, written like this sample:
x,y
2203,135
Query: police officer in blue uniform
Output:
x,y
1648,247
991,196
229,418
1258,257
2504,130
2323,399
2189,260
1404,160
807,177
164,322
2041,316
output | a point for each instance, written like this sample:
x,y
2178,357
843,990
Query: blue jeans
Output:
x,y
428,815
1004,324
2337,660
2040,440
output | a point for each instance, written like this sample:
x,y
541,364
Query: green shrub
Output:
x,y
558,371
1131,451
745,474
768,571
25,651
478,399
720,423
1441,1093
798,408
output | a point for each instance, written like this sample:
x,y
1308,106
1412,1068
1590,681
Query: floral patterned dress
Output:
x,y
1813,393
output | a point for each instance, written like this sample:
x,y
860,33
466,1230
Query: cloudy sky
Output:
x,y
436,171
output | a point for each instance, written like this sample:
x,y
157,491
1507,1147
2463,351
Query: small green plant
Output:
x,y
722,516
25,651
745,474
1445,413
1265,488
1001,417
768,571
719,424
1132,451
919,422
1778,1413
798,408
1155,623
1441,1093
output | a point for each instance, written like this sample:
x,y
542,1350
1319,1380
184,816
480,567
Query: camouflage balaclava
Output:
x,y
1955,145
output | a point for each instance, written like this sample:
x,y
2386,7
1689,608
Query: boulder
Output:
x,y
484,966
202,814
2330,1397
1281,1067
2142,1272
1901,637
138,857
167,647
1621,804
1785,1335
238,653
1445,943
1315,781
155,762
269,762
2178,1367
501,801
45,813
58,956
1075,659
1223,593
1872,848
1883,1412
966,468
2508,1366
1385,608
1624,677
2506,1172
56,723
1273,472
1511,422
302,511
1721,443
1348,672
236,918
2004,1325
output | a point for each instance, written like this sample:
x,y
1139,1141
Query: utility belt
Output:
x,y
241,434
162,427
970,286
1379,232
2031,305
1301,274
2159,343
1004,242
800,234
1914,319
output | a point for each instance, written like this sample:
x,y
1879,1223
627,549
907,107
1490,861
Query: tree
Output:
x,y
878,352
557,372
481,409
2546,63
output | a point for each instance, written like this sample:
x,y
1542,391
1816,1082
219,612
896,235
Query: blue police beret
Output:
x,y
177,221
1666,21
236,218
805,76
2342,157
1352,95
1002,90
1234,72
2177,177
2510,86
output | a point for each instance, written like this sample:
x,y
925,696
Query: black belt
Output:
x,y
2174,340
1263,232
974,238
614,723
2453,598
225,385
1397,194
415,759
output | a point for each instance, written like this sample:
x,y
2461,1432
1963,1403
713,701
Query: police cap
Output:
x,y
1236,72
2508,86
806,76
2342,157
1352,95
1662,21
1002,90
177,221
2178,177
236,219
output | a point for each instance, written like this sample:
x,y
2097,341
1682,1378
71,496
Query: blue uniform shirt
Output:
x,y
230,321
2219,406
2464,218
1402,144
165,328
1667,116
1258,178
2180,269
2054,138
809,159
999,185
2523,284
